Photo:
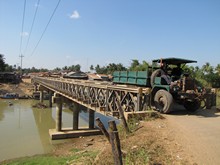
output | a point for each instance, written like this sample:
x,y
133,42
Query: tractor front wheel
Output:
x,y
163,101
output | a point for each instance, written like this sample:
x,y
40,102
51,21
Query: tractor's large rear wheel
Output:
x,y
155,74
163,101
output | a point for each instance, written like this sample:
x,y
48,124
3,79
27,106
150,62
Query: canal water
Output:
x,y
24,131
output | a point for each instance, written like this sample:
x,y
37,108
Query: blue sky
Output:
x,y
91,32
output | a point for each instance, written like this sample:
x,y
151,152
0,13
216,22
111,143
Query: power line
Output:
x,y
22,25
32,25
22,28
21,56
45,28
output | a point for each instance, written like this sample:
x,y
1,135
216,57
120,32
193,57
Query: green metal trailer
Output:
x,y
139,78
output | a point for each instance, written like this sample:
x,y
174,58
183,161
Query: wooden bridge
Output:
x,y
101,97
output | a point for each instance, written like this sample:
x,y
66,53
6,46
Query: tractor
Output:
x,y
169,83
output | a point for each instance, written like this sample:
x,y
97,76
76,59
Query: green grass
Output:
x,y
139,156
87,157
38,160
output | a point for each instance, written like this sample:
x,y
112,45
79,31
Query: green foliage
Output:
x,y
57,69
110,68
75,68
2,63
38,160
91,68
133,124
33,69
100,70
204,76
77,156
9,68
138,156
218,98
136,66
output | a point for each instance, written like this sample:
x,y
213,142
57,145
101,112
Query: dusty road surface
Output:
x,y
198,133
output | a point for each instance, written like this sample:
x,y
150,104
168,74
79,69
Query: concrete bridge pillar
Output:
x,y
76,116
35,87
59,105
91,119
41,96
50,98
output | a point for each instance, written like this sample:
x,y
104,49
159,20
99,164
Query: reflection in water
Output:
x,y
25,130
18,130
44,121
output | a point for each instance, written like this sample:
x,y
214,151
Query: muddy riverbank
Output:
x,y
25,88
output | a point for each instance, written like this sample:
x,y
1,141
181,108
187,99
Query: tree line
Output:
x,y
204,75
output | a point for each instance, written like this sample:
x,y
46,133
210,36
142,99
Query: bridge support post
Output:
x,y
50,99
91,119
76,116
59,105
35,88
139,99
41,96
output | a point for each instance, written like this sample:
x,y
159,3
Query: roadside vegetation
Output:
x,y
75,156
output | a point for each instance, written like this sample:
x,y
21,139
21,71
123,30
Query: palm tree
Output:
x,y
217,69
207,68
208,73
134,64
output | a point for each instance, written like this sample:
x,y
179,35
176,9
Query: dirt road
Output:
x,y
198,133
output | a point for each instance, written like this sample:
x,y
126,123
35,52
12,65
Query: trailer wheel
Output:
x,y
192,106
163,101
155,73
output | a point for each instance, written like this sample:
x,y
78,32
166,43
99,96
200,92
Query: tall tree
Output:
x,y
136,66
91,68
217,69
2,63
57,69
208,74
75,68
65,68
8,68
115,67
207,68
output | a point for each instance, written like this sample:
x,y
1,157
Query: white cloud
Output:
x,y
24,34
75,15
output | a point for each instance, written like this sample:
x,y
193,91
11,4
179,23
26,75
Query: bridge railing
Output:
x,y
99,96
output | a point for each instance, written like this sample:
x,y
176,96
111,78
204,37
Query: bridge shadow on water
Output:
x,y
179,110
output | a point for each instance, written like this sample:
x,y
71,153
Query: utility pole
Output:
x,y
21,56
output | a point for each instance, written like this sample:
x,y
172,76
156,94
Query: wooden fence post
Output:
x,y
102,128
115,143
121,113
